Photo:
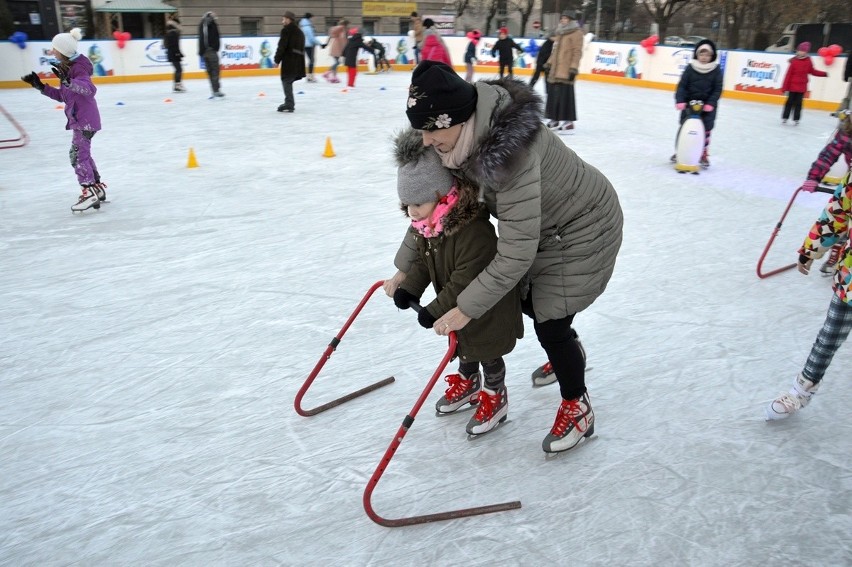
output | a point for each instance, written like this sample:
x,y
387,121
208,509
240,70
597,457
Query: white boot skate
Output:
x,y
88,200
544,374
798,397
100,190
575,421
492,411
461,391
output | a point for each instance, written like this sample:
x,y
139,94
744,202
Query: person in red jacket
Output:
x,y
796,81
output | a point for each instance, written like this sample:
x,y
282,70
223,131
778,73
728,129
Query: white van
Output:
x,y
785,43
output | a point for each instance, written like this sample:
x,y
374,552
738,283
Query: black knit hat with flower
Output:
x,y
438,97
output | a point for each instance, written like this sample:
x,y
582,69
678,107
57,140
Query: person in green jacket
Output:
x,y
558,219
454,241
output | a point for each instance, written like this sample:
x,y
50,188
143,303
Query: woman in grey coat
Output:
x,y
559,220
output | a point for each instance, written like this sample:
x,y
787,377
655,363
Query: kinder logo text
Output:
x,y
236,52
760,71
608,57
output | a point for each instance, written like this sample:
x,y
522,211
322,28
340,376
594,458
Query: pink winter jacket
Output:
x,y
434,50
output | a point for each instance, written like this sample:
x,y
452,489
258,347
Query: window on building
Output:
x,y
368,27
404,26
250,27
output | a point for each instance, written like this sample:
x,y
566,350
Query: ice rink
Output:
x,y
152,350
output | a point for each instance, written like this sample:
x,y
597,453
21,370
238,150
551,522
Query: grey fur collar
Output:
x,y
515,122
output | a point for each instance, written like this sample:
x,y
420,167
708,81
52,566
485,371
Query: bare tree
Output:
x,y
524,8
459,6
662,11
491,9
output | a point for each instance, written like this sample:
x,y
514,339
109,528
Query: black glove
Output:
x,y
403,299
426,319
61,73
571,75
33,80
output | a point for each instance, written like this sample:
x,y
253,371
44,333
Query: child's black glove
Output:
x,y
33,80
426,320
62,74
403,299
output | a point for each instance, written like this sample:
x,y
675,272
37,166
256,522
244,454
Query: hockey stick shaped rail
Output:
x,y
760,272
395,443
324,358
18,142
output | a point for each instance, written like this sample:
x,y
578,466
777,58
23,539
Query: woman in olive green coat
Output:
x,y
559,219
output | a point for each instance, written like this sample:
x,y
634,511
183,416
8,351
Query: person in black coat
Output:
x,y
543,55
172,44
208,49
504,46
291,55
350,54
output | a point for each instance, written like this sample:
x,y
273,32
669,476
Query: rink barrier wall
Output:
x,y
748,75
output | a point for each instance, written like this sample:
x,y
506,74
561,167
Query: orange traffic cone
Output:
x,y
329,151
191,161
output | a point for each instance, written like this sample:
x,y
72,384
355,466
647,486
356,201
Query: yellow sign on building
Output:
x,y
393,9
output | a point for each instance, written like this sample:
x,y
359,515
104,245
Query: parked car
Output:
x,y
695,39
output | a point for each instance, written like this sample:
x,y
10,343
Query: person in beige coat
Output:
x,y
559,220
336,43
563,65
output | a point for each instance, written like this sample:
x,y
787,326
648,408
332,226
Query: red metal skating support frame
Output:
x,y
400,434
18,142
327,354
762,274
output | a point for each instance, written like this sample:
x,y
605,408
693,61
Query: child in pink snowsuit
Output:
x,y
76,90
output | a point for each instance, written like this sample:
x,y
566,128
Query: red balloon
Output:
x,y
829,59
823,51
125,36
649,49
116,34
835,49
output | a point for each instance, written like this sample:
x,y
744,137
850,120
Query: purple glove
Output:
x,y
708,108
809,186
680,105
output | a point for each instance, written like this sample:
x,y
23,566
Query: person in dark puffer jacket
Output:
x,y
701,80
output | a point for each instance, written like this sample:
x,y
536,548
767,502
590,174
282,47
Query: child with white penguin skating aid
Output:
x,y
701,80
76,90
455,240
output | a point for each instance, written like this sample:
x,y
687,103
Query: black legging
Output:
x,y
794,103
309,51
559,342
178,70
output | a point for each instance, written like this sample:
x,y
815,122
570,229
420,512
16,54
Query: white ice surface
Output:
x,y
151,351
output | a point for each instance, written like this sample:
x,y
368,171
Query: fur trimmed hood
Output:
x,y
508,119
